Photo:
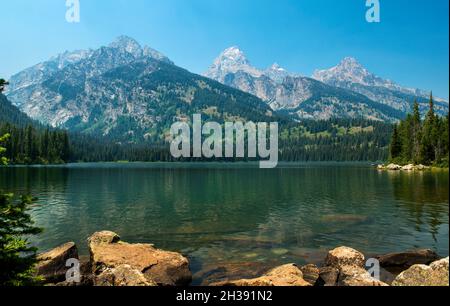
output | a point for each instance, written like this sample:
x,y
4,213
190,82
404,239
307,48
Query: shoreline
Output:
x,y
113,262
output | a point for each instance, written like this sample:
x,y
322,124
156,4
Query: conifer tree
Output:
x,y
17,257
396,144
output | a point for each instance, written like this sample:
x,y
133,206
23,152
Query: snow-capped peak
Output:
x,y
231,60
276,67
234,54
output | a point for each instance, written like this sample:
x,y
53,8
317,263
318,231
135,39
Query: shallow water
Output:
x,y
235,218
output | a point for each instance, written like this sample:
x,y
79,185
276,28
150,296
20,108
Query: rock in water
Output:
x,y
435,274
52,264
407,259
287,275
108,253
409,167
344,256
393,167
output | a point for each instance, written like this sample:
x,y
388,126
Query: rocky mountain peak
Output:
x,y
233,54
127,44
276,67
231,60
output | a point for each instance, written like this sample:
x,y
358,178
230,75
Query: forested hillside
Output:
x,y
420,141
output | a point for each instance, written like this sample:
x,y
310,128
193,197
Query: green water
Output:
x,y
228,218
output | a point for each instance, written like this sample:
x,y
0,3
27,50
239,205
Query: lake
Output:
x,y
236,217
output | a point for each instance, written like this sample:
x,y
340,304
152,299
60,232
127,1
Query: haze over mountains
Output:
x,y
133,92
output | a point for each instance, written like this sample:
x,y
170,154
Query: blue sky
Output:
x,y
410,45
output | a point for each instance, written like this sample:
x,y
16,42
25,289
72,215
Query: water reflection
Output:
x,y
225,215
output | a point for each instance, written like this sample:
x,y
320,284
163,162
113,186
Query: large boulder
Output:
x,y
52,264
164,268
435,274
350,264
287,275
344,256
405,260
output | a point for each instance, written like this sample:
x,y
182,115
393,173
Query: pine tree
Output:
x,y
396,144
17,257
416,134
428,153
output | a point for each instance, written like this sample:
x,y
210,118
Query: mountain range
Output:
x,y
134,93
125,92
346,90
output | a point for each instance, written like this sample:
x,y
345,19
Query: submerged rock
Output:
x,y
344,218
52,264
164,268
405,260
435,274
286,275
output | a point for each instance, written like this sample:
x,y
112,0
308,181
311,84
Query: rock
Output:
x,y
407,259
409,167
350,276
103,237
310,273
287,275
328,276
421,167
163,267
52,264
123,275
381,167
393,167
344,256
435,274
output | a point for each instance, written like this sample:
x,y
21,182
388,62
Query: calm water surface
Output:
x,y
228,217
